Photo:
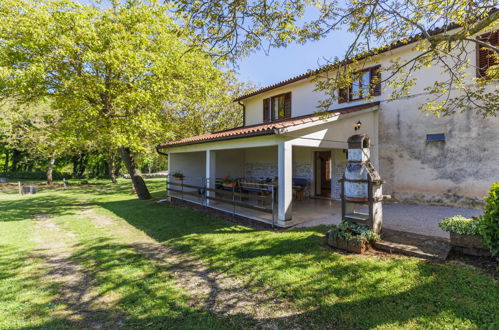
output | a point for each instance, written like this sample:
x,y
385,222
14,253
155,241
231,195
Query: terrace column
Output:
x,y
210,173
169,176
285,181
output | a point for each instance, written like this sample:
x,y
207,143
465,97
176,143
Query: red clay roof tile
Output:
x,y
261,129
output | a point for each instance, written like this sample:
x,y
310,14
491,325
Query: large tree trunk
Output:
x,y
50,169
82,165
79,165
6,164
16,155
138,182
112,166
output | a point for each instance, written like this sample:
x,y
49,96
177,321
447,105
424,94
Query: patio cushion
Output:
x,y
300,182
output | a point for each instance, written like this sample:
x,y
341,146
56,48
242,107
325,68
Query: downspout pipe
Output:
x,y
160,152
244,112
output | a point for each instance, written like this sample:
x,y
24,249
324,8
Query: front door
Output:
x,y
323,173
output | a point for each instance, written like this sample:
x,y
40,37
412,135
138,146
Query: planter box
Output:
x,y
347,245
469,244
178,179
229,185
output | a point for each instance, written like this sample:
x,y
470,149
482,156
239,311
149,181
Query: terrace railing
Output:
x,y
246,194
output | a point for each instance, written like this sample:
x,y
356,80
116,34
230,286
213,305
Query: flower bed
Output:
x,y
351,237
464,235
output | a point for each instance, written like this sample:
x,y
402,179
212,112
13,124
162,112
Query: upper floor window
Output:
x,y
485,57
364,84
277,107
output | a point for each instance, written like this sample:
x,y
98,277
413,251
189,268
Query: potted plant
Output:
x,y
178,176
351,237
464,235
229,182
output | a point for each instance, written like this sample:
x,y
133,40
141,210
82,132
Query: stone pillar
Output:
x,y
285,181
210,173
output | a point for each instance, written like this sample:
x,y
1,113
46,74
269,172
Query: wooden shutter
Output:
x,y
484,56
375,73
266,110
287,105
343,95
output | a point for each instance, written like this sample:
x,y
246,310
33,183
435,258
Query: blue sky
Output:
x,y
282,63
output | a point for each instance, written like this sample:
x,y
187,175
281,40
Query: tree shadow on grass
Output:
x,y
118,288
338,290
28,207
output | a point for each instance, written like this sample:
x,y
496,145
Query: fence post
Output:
x,y
204,184
182,189
233,202
167,193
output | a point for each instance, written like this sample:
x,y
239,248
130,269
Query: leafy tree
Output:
x,y
113,72
210,114
35,129
235,28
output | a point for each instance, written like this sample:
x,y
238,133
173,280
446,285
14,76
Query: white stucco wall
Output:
x,y
191,164
456,172
230,163
305,98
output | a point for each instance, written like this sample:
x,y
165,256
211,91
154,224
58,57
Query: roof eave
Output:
x,y
222,138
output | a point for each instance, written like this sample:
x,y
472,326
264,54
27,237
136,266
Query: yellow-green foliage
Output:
x,y
489,221
459,225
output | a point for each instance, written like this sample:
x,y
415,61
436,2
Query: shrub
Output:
x,y
36,175
489,221
354,233
460,225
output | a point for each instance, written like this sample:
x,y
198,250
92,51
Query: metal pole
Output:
x,y
166,186
233,202
273,215
204,195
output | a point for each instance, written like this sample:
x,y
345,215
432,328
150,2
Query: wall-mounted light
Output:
x,y
357,126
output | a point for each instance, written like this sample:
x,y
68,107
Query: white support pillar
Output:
x,y
210,172
285,180
168,178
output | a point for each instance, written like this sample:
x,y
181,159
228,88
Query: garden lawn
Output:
x,y
95,256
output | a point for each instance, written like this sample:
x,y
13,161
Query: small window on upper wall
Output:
x,y
435,137
277,107
484,56
365,83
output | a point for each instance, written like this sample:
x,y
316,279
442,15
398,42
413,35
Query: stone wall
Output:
x,y
303,168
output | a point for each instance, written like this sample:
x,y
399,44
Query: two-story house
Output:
x,y
450,160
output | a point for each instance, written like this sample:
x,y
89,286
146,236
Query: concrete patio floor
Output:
x,y
419,219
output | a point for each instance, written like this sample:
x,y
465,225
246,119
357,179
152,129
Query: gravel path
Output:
x,y
419,219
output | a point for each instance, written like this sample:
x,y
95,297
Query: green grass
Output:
x,y
125,287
